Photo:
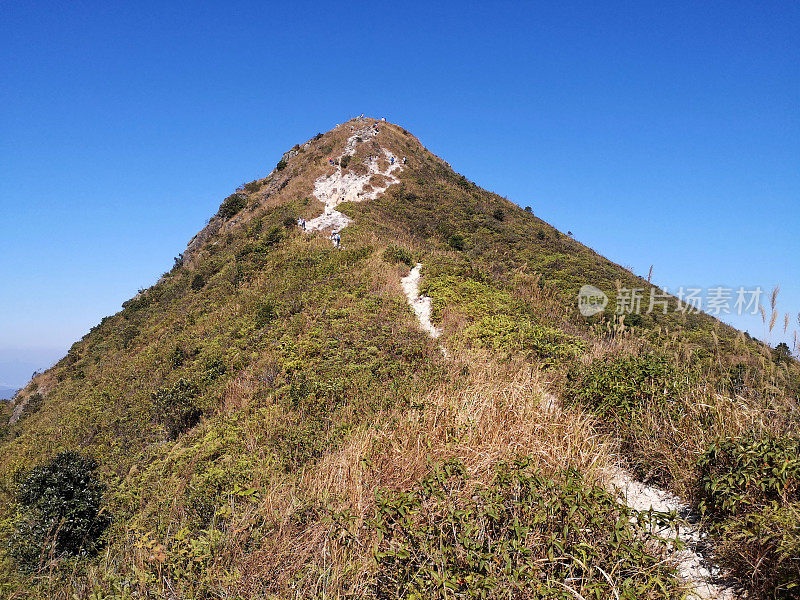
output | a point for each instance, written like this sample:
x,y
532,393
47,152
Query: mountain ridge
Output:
x,y
225,397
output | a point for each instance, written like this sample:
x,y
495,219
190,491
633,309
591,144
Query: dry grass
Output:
x,y
496,412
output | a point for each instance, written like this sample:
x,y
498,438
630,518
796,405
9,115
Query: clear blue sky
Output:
x,y
663,133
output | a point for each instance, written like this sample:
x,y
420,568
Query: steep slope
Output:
x,y
271,420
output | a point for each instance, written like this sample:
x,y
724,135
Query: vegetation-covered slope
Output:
x,y
269,421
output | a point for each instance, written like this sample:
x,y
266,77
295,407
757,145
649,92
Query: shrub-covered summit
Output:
x,y
269,420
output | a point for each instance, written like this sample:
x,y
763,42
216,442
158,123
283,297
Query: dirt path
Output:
x,y
692,566
421,305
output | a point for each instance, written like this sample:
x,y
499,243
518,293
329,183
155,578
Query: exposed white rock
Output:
x,y
348,186
420,304
694,568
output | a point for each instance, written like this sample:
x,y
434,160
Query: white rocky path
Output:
x,y
692,567
346,186
421,305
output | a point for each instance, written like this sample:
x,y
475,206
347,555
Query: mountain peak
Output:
x,y
276,390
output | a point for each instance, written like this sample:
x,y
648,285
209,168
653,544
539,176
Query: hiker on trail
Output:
x,y
300,222
405,160
391,160
338,240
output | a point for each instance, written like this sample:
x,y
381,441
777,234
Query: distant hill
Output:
x,y
271,420
6,393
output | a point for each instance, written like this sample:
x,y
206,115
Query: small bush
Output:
x,y
60,512
289,222
231,206
618,389
751,490
34,403
395,254
272,238
265,314
739,475
498,214
175,408
198,282
253,186
281,165
345,160
177,356
540,234
456,242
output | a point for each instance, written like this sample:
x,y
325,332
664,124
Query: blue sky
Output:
x,y
663,134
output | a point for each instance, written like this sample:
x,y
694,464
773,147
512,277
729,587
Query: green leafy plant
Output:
x,y
456,242
619,388
231,206
198,282
60,512
265,314
524,533
750,487
175,408
395,254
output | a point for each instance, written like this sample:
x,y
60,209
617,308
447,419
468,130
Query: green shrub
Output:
x,y
498,214
345,160
34,403
60,512
265,314
281,165
198,282
253,186
289,222
448,538
456,242
272,238
395,254
763,549
231,206
175,408
507,333
129,334
751,489
619,388
739,475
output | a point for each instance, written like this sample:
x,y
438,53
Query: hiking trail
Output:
x,y
421,305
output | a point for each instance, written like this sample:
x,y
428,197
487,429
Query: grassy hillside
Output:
x,y
268,420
